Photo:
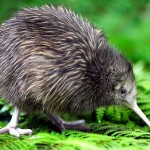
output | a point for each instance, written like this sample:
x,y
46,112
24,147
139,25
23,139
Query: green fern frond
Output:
x,y
121,137
116,128
100,113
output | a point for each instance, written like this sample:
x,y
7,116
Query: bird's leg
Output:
x,y
62,125
12,126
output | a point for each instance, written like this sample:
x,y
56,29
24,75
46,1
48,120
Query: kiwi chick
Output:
x,y
52,60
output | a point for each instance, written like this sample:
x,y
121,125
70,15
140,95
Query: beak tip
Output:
x,y
139,112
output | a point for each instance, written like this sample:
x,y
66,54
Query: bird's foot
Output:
x,y
12,127
76,125
15,131
61,125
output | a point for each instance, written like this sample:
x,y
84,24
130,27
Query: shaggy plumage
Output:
x,y
52,60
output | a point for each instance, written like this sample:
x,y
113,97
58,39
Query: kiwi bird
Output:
x,y
52,60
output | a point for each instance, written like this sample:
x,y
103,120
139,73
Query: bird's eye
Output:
x,y
123,91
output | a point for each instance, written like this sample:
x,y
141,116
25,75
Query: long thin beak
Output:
x,y
139,112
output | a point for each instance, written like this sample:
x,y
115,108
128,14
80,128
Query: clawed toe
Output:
x,y
79,127
24,131
77,122
61,125
76,125
12,127
15,131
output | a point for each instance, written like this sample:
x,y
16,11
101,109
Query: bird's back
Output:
x,y
53,60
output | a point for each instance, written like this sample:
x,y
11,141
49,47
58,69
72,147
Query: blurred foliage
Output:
x,y
126,23
127,26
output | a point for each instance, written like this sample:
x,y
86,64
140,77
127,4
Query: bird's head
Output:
x,y
125,93
120,84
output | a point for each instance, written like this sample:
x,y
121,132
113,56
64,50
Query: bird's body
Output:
x,y
51,60
56,61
